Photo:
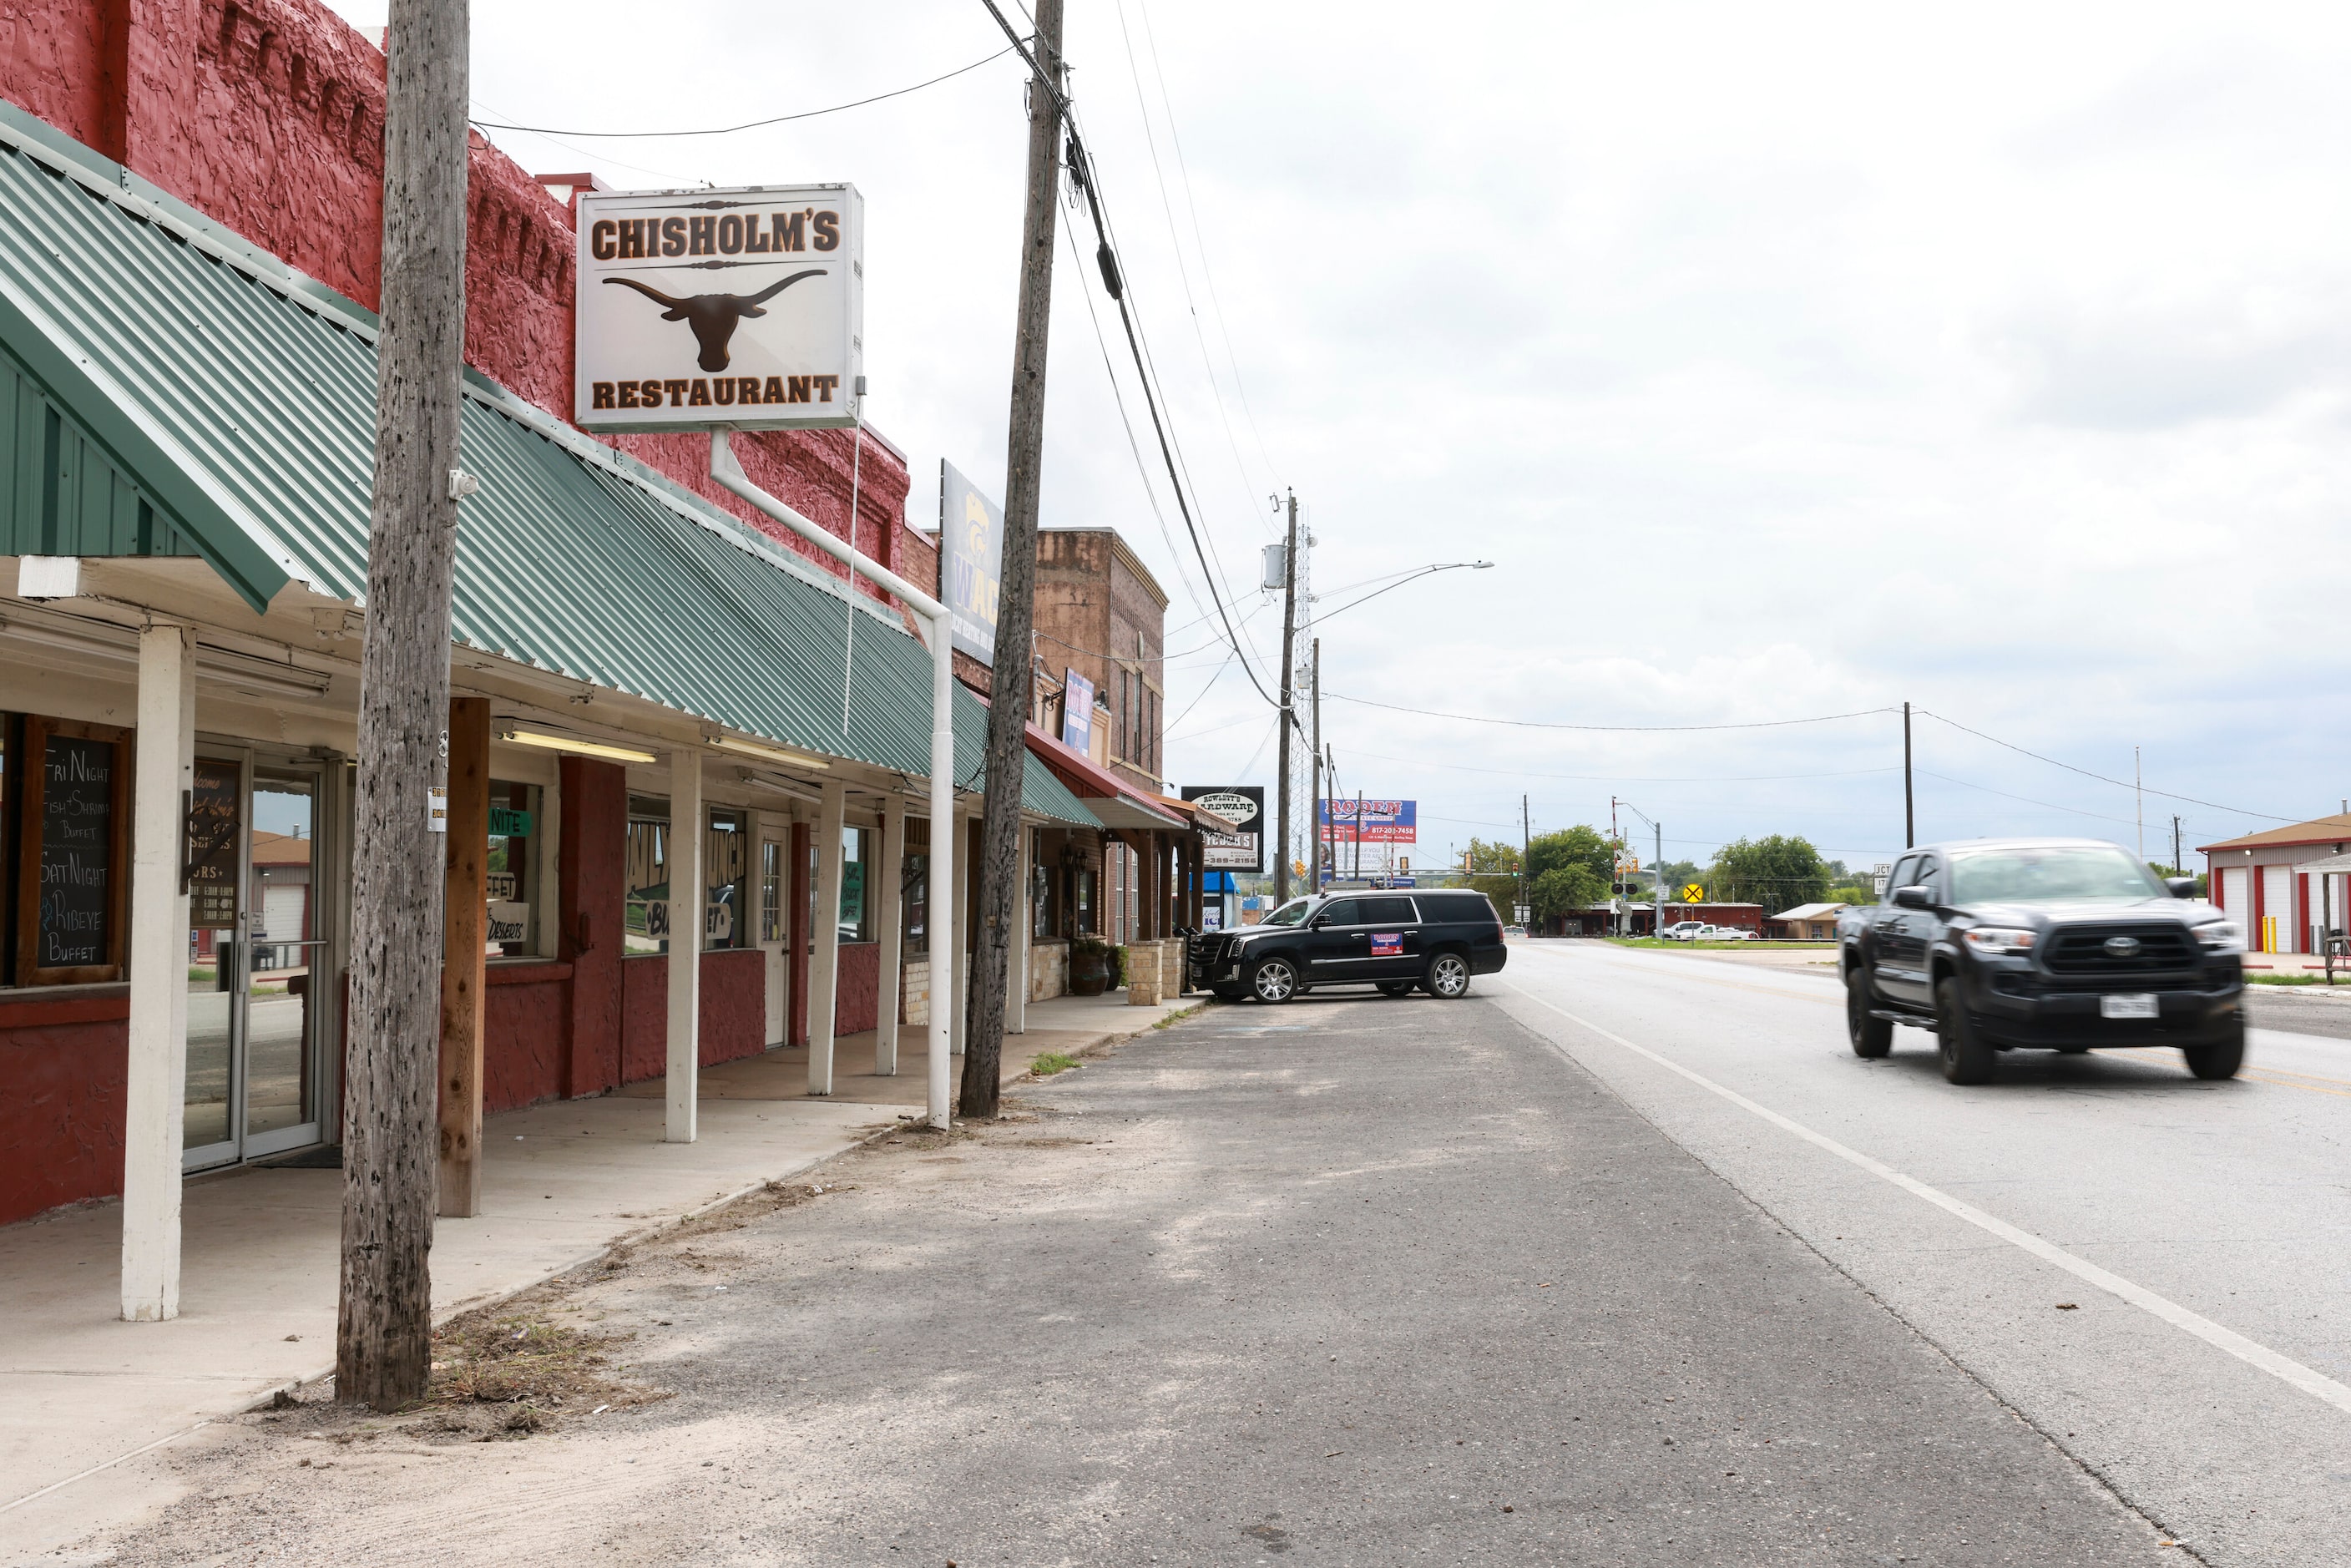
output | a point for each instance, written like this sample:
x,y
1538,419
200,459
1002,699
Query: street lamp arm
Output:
x,y
1390,588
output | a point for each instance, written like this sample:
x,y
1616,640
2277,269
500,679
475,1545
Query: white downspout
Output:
x,y
728,473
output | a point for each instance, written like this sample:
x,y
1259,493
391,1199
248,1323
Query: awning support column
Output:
x,y
1015,994
959,954
685,899
888,879
154,1123
824,976
728,473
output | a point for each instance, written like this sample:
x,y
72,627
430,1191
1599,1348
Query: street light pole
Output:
x,y
1289,676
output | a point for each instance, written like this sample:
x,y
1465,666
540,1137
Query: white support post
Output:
x,y
1024,911
154,1123
886,879
686,895
824,964
728,473
958,956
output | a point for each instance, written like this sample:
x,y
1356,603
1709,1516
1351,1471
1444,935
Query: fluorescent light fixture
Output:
x,y
764,752
577,747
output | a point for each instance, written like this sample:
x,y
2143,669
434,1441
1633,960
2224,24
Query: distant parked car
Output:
x,y
1726,934
1514,930
1685,931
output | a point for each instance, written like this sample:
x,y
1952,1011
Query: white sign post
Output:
x,y
742,308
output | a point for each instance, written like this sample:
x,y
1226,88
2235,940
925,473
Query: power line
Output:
x,y
2117,783
754,124
1617,728
1082,174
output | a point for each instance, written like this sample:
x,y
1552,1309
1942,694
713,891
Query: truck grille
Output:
x,y
2082,950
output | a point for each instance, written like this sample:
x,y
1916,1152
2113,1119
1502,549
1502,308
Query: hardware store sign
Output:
x,y
698,308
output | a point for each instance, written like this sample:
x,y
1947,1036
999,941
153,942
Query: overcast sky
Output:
x,y
1788,362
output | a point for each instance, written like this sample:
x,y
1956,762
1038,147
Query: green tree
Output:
x,y
1778,873
1578,845
1565,889
1492,868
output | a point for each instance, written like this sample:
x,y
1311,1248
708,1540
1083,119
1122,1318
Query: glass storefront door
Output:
x,y
257,952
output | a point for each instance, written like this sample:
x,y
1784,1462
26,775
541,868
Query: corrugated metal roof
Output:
x,y
238,400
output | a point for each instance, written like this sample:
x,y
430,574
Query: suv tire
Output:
x,y
1966,1058
2222,1059
1872,1038
1448,976
1274,980
1398,988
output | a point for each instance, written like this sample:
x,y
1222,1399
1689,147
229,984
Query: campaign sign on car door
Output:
x,y
1387,944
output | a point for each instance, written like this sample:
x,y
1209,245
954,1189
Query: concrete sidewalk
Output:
x,y
561,1183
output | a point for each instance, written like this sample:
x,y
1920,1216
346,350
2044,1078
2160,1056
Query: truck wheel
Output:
x,y
1872,1038
1448,976
1273,980
1966,1058
2221,1060
1397,988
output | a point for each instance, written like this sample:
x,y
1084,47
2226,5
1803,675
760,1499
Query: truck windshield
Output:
x,y
1290,913
2062,873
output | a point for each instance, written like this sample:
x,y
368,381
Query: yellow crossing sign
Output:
x,y
1693,894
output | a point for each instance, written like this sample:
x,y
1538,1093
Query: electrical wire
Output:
x,y
753,124
2118,783
1613,728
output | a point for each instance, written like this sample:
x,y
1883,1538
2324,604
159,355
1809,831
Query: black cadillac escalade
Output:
x,y
1431,941
2055,943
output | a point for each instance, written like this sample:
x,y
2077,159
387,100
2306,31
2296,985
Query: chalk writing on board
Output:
x,y
77,907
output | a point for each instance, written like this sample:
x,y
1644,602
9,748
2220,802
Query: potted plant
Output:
x,y
1089,968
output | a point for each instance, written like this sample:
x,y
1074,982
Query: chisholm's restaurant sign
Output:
x,y
743,307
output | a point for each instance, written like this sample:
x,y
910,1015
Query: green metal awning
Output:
x,y
167,389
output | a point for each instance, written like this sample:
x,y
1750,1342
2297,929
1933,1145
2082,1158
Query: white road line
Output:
x,y
107,1465
2283,1368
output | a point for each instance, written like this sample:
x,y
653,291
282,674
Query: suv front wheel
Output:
x,y
1273,980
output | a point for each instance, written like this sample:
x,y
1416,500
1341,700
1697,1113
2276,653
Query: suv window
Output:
x,y
1346,911
1456,907
1385,911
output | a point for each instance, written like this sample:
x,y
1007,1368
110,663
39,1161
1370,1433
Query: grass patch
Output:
x,y
1048,1063
508,1375
2285,979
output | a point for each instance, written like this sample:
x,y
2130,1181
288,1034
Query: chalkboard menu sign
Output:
x,y
212,823
76,808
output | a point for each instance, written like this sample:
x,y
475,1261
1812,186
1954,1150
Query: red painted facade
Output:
x,y
268,116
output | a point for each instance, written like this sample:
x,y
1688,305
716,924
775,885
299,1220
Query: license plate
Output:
x,y
2128,1005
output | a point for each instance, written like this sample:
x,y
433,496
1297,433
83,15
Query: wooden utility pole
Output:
x,y
1314,834
1289,633
1909,815
384,1333
465,959
1001,898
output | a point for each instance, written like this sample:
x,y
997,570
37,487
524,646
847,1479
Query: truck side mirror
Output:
x,y
2181,886
1914,896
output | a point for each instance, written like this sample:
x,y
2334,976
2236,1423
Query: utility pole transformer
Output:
x,y
1289,635
1002,900
383,1331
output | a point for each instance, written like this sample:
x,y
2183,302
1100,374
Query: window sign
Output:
x,y
214,820
645,918
725,877
971,543
511,892
76,819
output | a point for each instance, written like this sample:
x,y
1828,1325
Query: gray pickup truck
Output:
x,y
2050,944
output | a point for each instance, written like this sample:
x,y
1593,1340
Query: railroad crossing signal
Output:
x,y
1693,894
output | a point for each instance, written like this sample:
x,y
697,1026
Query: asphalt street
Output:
x,y
2203,1380
1356,1281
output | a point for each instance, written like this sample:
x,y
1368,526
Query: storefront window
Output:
x,y
771,891
645,920
66,824
914,896
513,893
725,876
856,922
1082,895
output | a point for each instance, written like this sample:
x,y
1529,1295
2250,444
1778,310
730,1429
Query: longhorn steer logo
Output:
x,y
713,316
